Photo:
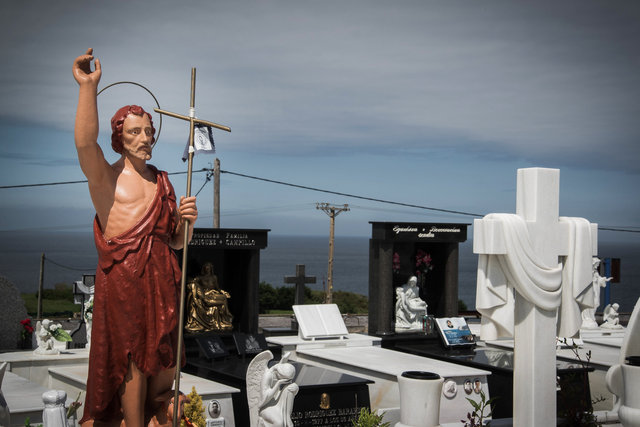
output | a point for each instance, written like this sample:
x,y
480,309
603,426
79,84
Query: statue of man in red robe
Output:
x,y
133,352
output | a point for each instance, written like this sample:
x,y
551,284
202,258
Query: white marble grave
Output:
x,y
624,380
30,375
534,280
362,356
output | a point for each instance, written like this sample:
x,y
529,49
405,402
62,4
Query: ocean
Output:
x,y
69,254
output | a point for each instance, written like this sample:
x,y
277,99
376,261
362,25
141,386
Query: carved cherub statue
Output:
x,y
611,317
270,391
44,339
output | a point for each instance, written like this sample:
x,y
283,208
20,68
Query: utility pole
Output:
x,y
40,288
333,212
216,193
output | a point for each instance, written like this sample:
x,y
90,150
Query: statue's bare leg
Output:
x,y
133,394
159,395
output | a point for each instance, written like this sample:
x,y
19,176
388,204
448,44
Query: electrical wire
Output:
x,y
305,187
67,267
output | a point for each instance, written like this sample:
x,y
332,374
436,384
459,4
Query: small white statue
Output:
x,y
44,338
270,391
589,314
410,308
54,414
46,334
611,317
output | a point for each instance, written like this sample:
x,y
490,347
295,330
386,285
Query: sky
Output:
x,y
430,103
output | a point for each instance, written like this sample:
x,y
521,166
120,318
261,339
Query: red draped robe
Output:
x,y
136,300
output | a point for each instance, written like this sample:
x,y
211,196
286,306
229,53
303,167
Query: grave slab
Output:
x,y
325,397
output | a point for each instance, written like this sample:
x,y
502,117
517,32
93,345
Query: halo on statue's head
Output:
x,y
150,93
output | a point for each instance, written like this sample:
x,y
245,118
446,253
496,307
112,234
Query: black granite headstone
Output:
x,y
397,251
235,255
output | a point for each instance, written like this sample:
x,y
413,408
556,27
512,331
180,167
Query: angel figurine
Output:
x,y
271,391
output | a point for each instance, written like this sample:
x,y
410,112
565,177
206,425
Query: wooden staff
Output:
x,y
183,282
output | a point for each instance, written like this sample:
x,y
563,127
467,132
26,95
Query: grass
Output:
x,y
57,302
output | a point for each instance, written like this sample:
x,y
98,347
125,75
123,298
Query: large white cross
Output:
x,y
537,202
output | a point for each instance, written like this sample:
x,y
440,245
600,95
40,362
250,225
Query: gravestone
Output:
x,y
300,279
235,255
12,311
522,281
394,250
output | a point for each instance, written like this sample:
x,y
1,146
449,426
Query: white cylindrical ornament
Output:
x,y
419,399
629,412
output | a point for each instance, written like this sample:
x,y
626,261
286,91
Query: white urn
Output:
x,y
629,412
419,399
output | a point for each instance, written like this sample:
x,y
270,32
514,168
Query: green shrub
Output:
x,y
281,299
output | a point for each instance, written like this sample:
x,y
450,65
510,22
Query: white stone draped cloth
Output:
x,y
566,286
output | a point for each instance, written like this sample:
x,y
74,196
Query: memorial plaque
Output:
x,y
249,344
211,347
221,238
419,232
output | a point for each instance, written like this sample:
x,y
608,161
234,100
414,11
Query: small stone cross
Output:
x,y
300,279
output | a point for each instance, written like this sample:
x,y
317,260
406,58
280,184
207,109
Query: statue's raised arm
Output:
x,y
92,161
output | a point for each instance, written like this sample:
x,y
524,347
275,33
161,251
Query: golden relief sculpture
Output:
x,y
208,309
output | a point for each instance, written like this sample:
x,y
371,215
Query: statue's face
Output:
x,y
137,135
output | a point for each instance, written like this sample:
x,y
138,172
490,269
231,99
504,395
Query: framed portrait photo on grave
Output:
x,y
455,332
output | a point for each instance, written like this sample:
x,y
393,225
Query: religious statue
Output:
x,y
44,339
410,308
137,225
589,314
208,310
271,391
610,317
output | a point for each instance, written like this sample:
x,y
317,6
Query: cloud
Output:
x,y
548,82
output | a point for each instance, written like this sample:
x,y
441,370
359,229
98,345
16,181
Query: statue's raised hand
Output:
x,y
82,69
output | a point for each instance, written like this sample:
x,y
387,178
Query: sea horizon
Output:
x,y
70,254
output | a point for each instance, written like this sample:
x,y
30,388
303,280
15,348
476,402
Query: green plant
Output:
x,y
73,407
576,410
194,410
280,300
27,423
368,419
477,417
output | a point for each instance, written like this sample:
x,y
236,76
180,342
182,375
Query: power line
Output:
x,y
67,267
43,184
305,187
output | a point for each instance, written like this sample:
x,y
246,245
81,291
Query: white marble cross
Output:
x,y
537,202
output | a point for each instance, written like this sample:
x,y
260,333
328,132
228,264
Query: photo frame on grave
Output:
x,y
455,333
212,347
249,344
320,321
